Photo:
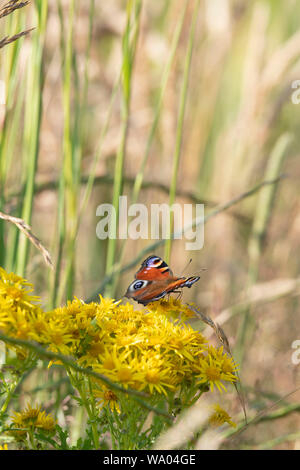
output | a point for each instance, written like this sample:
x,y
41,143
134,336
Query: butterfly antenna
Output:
x,y
200,271
187,265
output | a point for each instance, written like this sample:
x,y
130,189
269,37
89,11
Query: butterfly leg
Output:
x,y
179,292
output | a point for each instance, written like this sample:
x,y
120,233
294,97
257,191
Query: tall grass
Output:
x,y
138,181
129,44
32,124
11,121
179,131
260,223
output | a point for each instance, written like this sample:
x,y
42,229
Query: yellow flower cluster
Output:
x,y
31,419
142,349
16,305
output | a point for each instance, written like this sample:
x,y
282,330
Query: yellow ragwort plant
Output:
x,y
154,351
220,416
30,420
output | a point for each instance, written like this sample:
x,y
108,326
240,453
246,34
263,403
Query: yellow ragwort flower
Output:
x,y
32,418
220,416
106,397
211,372
16,290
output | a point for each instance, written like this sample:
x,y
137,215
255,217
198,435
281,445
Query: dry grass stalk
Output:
x,y
6,8
265,415
256,295
220,333
26,229
7,40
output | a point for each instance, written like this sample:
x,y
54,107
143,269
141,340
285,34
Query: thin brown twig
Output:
x,y
257,295
220,333
26,229
263,416
108,180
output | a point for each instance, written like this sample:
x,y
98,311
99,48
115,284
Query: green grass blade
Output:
x,y
179,130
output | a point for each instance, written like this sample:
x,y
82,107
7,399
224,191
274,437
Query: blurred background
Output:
x,y
170,101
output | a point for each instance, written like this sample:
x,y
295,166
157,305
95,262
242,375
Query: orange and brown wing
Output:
x,y
181,282
145,291
154,268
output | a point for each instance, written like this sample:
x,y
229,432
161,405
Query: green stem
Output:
x,y
138,181
179,131
110,420
129,49
8,399
33,116
31,438
256,242
78,384
68,170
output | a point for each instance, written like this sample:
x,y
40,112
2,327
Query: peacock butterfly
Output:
x,y
154,280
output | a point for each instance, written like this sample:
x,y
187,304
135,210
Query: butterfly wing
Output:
x,y
154,280
143,291
150,280
154,268
180,282
146,292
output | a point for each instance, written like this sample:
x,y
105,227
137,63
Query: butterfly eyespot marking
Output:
x,y
138,285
